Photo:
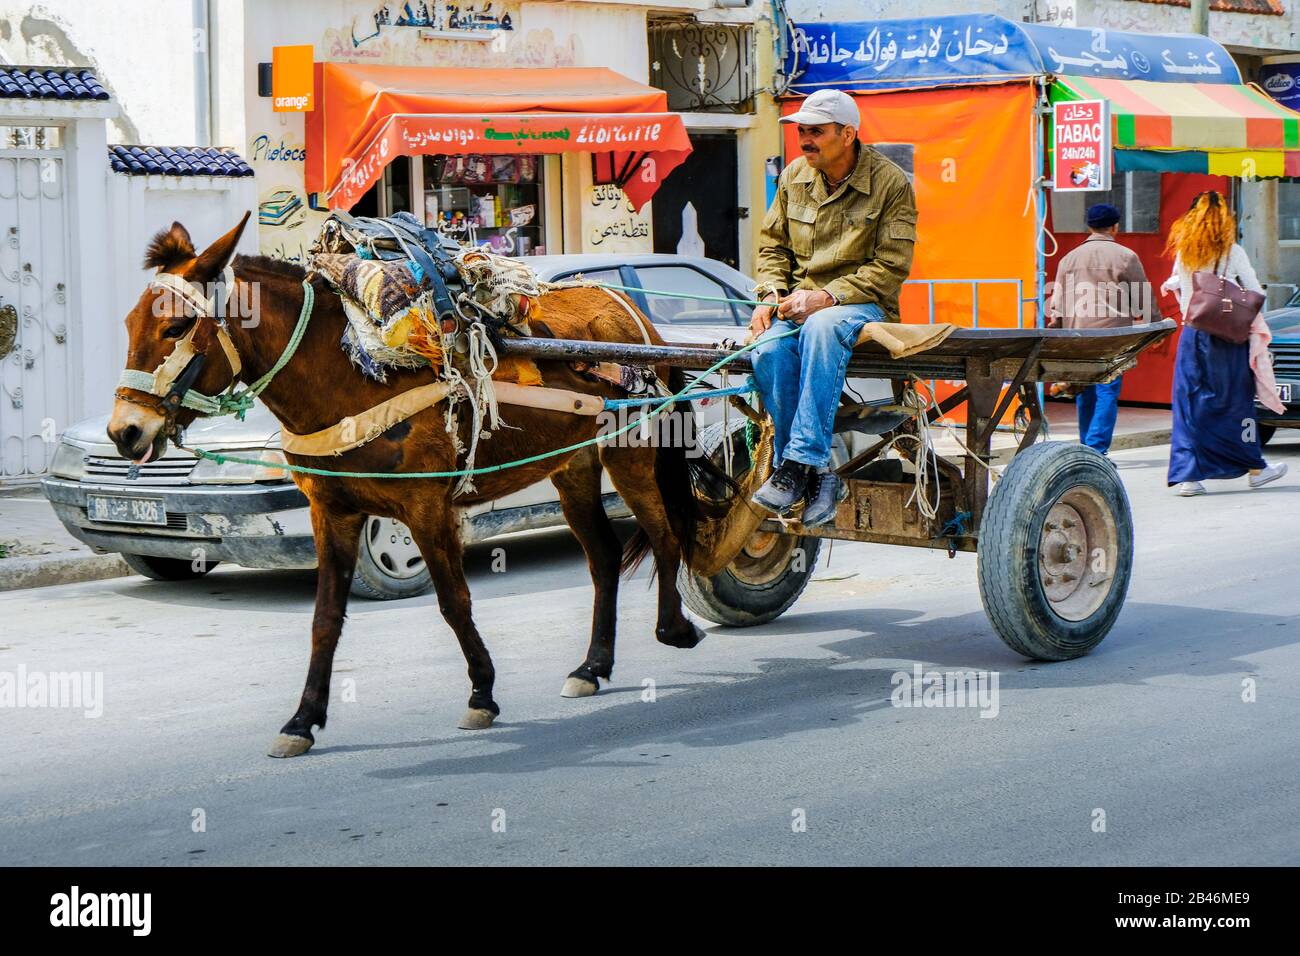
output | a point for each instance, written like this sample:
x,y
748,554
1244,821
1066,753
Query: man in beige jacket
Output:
x,y
836,246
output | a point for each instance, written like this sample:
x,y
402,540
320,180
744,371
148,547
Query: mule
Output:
x,y
320,386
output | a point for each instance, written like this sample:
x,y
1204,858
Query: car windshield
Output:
x,y
696,299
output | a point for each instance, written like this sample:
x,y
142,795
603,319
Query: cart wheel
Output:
x,y
1056,551
767,576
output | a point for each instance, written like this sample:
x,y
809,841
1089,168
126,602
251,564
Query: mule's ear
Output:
x,y
215,257
170,247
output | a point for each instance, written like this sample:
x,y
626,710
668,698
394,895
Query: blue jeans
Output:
x,y
800,378
1098,407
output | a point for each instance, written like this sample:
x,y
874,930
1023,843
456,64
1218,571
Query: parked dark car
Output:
x,y
1284,323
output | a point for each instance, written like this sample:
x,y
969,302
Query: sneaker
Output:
x,y
784,488
1189,488
1270,473
823,496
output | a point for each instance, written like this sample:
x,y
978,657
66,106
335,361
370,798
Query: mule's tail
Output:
x,y
679,466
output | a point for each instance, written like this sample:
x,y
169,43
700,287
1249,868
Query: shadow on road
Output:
x,y
790,695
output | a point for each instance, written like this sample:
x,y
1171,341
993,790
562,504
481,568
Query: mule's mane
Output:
x,y
278,267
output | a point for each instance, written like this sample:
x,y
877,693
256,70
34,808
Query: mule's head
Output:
x,y
173,335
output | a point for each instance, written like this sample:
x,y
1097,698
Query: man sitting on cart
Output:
x,y
835,250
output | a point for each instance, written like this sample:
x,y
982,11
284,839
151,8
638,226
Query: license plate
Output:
x,y
1284,392
125,510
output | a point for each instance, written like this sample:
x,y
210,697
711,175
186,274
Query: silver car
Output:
x,y
177,517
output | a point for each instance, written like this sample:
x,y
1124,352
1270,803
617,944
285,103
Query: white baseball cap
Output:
x,y
826,106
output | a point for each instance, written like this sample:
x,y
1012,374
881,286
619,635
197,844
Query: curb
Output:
x,y
51,569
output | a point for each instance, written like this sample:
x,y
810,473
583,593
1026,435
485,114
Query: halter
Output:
x,y
171,381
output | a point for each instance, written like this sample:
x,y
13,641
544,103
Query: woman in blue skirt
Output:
x,y
1215,433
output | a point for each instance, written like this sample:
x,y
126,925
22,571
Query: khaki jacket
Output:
x,y
1099,285
855,243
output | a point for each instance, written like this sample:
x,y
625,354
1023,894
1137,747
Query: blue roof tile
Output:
x,y
49,83
177,161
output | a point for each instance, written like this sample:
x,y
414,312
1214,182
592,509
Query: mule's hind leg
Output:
x,y
632,470
434,529
579,486
337,535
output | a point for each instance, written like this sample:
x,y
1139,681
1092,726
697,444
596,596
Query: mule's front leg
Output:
x,y
337,535
435,531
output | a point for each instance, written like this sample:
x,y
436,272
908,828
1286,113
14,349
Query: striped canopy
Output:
x,y
1216,128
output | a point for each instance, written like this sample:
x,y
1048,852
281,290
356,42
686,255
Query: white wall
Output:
x,y
140,50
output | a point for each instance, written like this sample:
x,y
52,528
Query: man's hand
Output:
x,y
798,305
761,318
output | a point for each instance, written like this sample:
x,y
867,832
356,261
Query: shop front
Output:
x,y
506,157
967,100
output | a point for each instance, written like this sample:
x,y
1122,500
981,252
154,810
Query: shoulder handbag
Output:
x,y
1221,308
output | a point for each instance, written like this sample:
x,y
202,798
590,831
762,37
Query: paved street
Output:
x,y
746,730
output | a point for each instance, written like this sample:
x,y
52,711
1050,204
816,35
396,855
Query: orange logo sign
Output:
x,y
291,79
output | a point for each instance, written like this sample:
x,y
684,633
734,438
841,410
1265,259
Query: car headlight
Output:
x,y
69,461
209,472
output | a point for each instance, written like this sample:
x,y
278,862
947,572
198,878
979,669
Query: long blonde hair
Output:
x,y
1205,234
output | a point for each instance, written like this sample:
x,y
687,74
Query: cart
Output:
x,y
1053,534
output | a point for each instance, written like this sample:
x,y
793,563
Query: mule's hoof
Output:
x,y
577,687
289,745
685,638
477,718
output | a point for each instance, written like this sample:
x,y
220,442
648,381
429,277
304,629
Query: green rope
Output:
x,y
460,473
675,295
239,403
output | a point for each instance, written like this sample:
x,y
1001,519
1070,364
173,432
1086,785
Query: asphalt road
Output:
x,y
749,735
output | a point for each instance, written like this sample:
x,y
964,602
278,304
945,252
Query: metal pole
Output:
x,y
1201,17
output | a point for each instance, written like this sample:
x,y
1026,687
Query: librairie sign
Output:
x,y
1081,145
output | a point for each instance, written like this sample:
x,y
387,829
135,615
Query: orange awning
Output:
x,y
368,115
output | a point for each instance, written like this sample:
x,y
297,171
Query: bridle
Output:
x,y
170,385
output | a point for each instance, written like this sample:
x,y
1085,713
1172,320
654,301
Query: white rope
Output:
x,y
926,462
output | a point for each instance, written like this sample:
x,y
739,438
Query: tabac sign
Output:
x,y
291,79
1081,151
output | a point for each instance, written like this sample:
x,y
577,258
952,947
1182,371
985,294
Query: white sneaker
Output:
x,y
1270,473
1189,488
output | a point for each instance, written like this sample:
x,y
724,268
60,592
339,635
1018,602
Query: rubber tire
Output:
x,y
724,598
1266,433
1008,550
372,582
166,569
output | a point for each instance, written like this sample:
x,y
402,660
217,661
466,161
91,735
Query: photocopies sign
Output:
x,y
1081,151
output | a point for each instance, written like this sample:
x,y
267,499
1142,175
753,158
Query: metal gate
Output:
x,y
35,385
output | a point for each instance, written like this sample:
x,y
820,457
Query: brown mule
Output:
x,y
320,386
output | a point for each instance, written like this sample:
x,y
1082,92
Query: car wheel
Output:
x,y
1266,433
167,569
389,564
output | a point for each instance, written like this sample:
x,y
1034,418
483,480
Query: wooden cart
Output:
x,y
1053,534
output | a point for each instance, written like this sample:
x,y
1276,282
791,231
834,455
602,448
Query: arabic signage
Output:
x,y
291,79
407,134
1282,82
1081,146
975,48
